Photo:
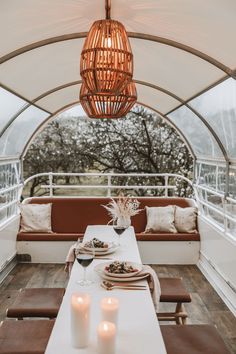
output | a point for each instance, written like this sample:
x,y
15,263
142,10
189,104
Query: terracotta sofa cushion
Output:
x,y
168,237
70,217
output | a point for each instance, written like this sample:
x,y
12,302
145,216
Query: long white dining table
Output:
x,y
138,330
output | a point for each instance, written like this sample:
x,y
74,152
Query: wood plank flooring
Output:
x,y
206,305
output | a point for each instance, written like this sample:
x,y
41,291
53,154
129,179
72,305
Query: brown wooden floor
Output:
x,y
206,306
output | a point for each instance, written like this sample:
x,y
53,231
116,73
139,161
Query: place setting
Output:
x,y
121,275
100,248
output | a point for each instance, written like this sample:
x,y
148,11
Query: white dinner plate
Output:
x,y
99,270
137,266
105,252
101,249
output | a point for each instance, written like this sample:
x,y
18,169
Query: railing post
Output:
x,y
108,185
224,201
50,184
166,185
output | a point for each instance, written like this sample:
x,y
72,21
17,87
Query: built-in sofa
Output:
x,y
70,217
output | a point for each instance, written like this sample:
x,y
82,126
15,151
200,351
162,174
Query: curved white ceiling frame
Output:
x,y
151,96
38,70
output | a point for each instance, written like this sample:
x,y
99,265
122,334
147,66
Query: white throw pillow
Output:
x,y
186,219
160,219
36,217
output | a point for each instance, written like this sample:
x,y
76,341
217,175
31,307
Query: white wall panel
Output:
x,y
219,252
8,241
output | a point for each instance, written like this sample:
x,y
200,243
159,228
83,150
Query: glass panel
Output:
x,y
207,175
200,138
10,189
14,139
218,106
232,182
9,105
221,179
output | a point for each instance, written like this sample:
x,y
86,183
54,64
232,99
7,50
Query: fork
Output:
x,y
110,286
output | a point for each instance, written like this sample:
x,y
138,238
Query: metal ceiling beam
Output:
x,y
142,36
21,110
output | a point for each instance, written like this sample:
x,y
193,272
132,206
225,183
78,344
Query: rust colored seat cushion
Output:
x,y
37,302
25,337
168,237
173,290
36,236
193,339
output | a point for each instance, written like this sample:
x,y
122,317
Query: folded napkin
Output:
x,y
153,283
70,258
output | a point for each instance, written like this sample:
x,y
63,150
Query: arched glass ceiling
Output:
x,y
218,106
203,143
16,136
9,106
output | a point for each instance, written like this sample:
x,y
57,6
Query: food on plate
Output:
x,y
120,268
96,243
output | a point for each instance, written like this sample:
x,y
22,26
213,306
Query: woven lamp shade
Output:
x,y
106,63
108,105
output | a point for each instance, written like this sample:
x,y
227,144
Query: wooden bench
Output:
x,y
36,302
193,339
25,337
70,217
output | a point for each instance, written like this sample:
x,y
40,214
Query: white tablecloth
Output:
x,y
138,328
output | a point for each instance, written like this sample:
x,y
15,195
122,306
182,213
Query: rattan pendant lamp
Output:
x,y
106,68
106,63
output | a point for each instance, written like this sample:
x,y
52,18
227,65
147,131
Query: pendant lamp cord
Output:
x,y
108,9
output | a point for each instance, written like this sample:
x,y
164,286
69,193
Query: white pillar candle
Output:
x,y
109,309
80,312
106,335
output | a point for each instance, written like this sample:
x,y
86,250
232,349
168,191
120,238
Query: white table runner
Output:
x,y
138,328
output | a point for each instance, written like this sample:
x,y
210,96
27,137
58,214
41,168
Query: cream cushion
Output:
x,y
186,219
36,217
160,219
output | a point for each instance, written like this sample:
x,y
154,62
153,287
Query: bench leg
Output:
x,y
179,316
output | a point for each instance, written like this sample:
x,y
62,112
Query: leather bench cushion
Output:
x,y
28,236
168,237
173,290
25,337
37,302
193,339
72,215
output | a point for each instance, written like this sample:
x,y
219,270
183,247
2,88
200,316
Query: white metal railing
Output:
x,y
202,198
108,186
